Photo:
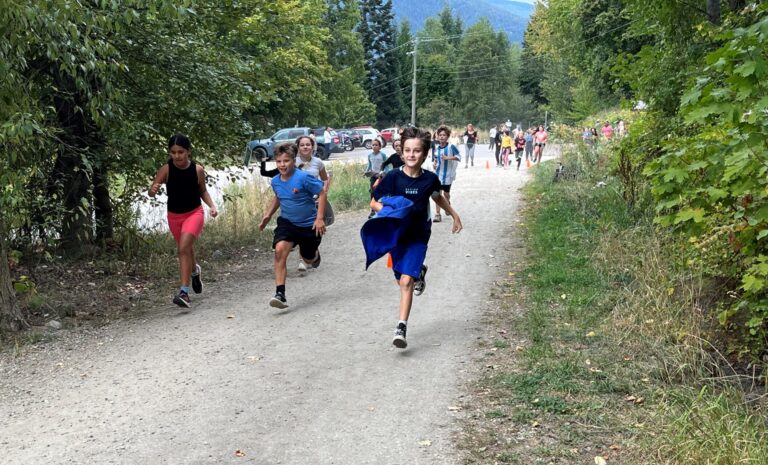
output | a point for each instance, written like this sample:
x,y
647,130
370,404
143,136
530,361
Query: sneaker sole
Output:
x,y
399,342
181,302
277,303
316,263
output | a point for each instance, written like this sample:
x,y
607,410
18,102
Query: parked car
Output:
x,y
354,136
369,133
389,134
260,149
333,146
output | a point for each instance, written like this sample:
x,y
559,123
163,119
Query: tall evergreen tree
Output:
x,y
404,49
348,103
378,36
452,25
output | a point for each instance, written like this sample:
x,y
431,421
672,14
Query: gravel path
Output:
x,y
234,381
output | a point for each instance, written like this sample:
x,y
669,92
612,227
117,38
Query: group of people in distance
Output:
x,y
300,185
589,135
507,140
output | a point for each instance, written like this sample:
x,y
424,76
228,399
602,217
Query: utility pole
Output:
x,y
413,87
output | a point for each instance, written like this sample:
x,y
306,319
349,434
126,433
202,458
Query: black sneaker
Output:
x,y
316,263
197,283
182,299
399,339
420,284
278,301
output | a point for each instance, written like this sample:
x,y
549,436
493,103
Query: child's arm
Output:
x,y
376,205
454,156
160,178
273,206
443,203
204,192
319,225
267,173
326,180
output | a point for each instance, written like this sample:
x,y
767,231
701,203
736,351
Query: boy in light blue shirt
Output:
x,y
445,159
301,222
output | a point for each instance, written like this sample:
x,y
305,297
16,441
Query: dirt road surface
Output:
x,y
233,381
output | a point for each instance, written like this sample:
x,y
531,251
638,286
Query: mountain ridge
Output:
x,y
509,16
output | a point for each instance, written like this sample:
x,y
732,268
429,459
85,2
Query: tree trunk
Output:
x,y
70,171
11,317
713,11
102,204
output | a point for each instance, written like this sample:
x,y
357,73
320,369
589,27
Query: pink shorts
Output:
x,y
190,222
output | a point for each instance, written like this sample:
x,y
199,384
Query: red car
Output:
x,y
388,134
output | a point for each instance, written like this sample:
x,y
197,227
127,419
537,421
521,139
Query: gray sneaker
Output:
x,y
278,301
420,284
399,339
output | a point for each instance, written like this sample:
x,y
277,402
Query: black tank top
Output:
x,y
183,189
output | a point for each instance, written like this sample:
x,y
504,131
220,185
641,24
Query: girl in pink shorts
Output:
x,y
185,182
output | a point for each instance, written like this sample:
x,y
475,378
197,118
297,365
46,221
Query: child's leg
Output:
x,y
282,250
186,258
406,296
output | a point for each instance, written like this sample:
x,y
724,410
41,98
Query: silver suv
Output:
x,y
369,133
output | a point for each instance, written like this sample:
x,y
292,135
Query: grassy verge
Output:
x,y
597,348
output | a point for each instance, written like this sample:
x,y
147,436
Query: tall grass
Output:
x,y
349,188
602,278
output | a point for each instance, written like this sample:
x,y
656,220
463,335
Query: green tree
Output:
x,y
347,100
486,76
435,75
404,50
452,25
377,34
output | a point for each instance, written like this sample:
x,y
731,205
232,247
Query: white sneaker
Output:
x,y
302,265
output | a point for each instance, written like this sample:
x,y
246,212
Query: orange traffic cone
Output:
x,y
389,261
487,165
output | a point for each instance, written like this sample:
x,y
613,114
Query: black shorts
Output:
x,y
445,187
303,236
540,144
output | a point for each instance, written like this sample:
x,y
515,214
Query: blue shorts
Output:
x,y
408,258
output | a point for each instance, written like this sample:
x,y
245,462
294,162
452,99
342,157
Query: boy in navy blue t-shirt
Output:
x,y
301,218
418,186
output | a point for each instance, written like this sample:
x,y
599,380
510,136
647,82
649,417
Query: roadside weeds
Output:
x,y
595,350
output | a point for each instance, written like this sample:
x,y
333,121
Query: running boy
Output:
x,y
374,170
418,186
301,219
445,159
185,181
